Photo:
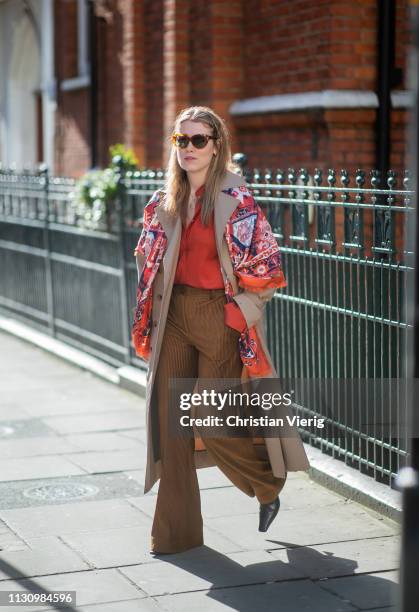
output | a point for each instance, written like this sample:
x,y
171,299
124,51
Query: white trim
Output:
x,y
328,98
49,102
75,83
83,65
402,99
82,39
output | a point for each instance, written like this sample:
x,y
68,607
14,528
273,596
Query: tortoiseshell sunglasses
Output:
x,y
199,141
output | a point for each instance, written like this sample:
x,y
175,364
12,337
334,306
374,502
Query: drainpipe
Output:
x,y
48,87
93,111
385,70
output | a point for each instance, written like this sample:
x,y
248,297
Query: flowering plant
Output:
x,y
93,196
92,200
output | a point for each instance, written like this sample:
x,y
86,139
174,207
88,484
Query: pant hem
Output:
x,y
173,550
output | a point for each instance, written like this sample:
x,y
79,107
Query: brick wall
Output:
x,y
133,77
110,23
304,46
72,154
157,56
286,46
120,115
153,81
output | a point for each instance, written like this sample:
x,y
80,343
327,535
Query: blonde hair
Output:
x,y
176,184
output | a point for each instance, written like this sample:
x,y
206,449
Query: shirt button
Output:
x,y
159,295
155,323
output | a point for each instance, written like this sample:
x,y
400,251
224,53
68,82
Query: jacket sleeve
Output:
x,y
139,250
259,271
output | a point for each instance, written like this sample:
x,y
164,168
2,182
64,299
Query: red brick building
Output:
x,y
299,82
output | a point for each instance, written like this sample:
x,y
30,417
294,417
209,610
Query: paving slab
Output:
x,y
367,592
134,605
9,540
11,407
295,494
67,518
92,587
114,420
15,428
343,558
12,388
348,521
37,467
293,596
113,548
219,542
205,568
100,441
387,609
33,447
68,489
212,538
109,461
136,433
41,556
50,403
138,476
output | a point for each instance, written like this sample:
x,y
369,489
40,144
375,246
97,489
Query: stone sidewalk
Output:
x,y
73,516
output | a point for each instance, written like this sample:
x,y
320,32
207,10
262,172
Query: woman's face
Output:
x,y
190,158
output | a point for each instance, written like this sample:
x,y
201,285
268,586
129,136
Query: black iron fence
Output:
x,y
342,314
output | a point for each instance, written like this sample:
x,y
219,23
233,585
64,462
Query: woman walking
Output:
x,y
207,264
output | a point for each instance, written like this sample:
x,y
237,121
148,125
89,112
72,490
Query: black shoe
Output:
x,y
267,513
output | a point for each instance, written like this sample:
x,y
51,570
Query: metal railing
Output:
x,y
342,314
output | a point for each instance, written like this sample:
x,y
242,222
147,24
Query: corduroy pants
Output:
x,y
197,343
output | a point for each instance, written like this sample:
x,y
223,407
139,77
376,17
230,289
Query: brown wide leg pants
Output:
x,y
197,343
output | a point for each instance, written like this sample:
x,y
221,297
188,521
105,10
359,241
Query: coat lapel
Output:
x,y
224,208
169,223
173,229
225,205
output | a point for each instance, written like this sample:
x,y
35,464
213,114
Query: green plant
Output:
x,y
93,197
123,157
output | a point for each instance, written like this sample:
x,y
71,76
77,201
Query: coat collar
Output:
x,y
224,207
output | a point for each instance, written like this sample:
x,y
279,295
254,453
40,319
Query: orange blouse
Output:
x,y
199,266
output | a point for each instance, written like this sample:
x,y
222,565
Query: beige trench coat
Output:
x,y
285,454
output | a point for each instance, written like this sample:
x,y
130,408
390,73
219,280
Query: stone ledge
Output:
x,y
347,481
309,100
